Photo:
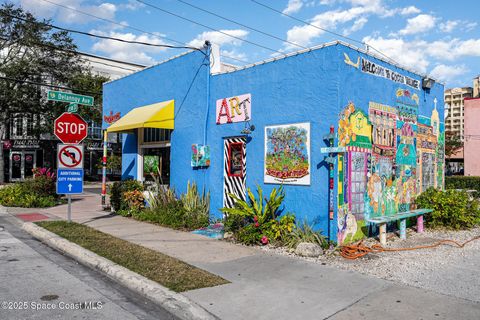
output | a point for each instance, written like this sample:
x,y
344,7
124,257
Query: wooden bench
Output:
x,y
382,221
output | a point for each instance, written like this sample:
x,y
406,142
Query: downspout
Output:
x,y
208,54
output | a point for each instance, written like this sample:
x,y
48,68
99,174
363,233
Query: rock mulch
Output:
x,y
444,269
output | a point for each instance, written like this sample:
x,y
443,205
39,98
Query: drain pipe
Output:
x,y
208,53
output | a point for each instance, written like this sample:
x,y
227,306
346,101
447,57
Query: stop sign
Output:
x,y
70,128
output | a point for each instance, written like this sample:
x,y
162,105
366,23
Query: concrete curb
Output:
x,y
175,303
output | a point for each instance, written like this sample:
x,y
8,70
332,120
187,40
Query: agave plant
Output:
x,y
305,233
194,202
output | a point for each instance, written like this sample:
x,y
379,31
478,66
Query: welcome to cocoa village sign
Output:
x,y
381,71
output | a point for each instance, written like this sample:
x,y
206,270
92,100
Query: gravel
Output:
x,y
444,269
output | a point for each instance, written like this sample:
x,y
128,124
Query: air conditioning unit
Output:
x,y
427,83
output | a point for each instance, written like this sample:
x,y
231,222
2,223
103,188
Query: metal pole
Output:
x,y
69,212
104,169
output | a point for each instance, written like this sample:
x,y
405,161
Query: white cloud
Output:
x,y
131,5
405,53
418,24
293,6
233,54
448,26
331,20
127,51
447,73
409,10
45,9
418,54
357,25
220,38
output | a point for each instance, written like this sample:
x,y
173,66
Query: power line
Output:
x,y
48,85
106,37
241,24
323,29
131,27
210,28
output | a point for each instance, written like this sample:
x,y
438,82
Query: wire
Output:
x,y
210,28
106,37
242,25
323,29
48,85
131,27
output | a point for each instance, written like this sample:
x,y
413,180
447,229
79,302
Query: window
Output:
x,y
235,159
156,135
95,131
18,126
30,122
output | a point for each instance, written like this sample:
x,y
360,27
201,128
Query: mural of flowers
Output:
x,y
345,128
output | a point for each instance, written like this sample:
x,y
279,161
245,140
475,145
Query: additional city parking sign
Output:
x,y
70,156
69,181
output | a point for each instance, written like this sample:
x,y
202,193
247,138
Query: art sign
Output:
x,y
381,71
287,154
112,117
200,155
234,109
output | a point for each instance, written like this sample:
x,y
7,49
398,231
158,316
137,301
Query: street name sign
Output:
x,y
332,149
70,128
69,181
70,156
69,97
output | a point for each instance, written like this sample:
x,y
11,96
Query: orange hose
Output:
x,y
357,250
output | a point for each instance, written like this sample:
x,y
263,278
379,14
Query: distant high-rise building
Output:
x,y
476,87
454,99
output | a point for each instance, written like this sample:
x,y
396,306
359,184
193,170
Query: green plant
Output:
x,y
25,195
117,190
196,204
305,233
134,199
462,182
254,206
282,228
452,209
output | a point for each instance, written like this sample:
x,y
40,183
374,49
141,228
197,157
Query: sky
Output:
x,y
440,38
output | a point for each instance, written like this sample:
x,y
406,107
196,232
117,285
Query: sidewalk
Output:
x,y
267,286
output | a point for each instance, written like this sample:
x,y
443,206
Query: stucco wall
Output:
x,y
313,87
472,137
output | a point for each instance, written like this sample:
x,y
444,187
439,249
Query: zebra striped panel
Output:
x,y
233,184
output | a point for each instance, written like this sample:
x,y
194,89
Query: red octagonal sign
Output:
x,y
70,128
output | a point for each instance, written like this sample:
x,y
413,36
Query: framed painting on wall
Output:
x,y
287,154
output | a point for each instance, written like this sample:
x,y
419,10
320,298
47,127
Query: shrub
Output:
x,y
196,206
42,185
117,190
257,221
305,233
461,182
451,209
173,215
23,195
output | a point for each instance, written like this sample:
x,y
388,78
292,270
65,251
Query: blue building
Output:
x,y
266,124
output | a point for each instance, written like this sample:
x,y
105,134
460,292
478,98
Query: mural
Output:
x,y
391,156
200,155
234,109
287,154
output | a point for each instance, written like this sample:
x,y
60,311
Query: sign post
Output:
x,y
331,160
69,181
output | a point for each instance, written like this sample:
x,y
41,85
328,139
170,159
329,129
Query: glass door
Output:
x,y
28,164
15,166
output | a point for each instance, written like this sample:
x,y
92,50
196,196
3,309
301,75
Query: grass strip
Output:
x,y
167,271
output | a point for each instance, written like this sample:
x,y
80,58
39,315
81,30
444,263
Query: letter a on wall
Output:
x,y
234,109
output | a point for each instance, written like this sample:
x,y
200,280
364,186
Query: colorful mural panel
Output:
x,y
391,156
200,155
287,154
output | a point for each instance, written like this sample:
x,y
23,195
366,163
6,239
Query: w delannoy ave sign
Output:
x,y
70,98
70,128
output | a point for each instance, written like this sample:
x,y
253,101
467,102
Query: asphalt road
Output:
x,y
37,282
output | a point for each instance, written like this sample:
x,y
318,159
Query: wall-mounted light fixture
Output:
x,y
249,128
427,83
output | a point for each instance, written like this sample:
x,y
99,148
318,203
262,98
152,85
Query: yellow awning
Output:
x,y
158,115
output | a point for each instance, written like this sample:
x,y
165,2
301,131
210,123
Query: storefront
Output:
x,y
265,124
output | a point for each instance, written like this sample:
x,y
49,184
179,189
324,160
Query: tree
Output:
x,y
31,53
452,143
